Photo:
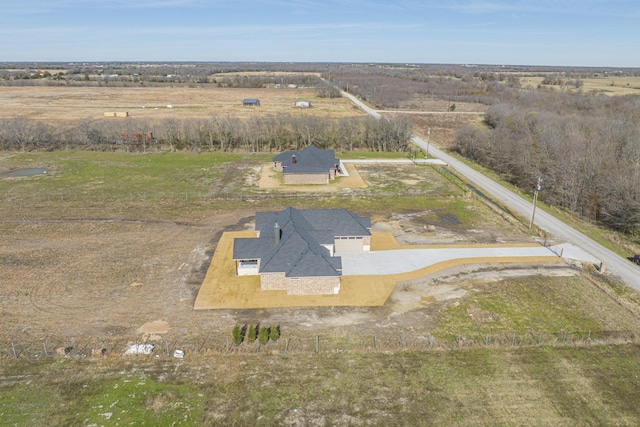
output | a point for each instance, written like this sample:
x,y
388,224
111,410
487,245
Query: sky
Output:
x,y
501,32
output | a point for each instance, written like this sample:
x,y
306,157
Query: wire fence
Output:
x,y
94,197
219,344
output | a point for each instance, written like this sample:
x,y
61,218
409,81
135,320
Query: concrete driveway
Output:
x,y
404,260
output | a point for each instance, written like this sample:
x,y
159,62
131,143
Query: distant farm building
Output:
x,y
308,166
116,114
251,102
137,136
303,104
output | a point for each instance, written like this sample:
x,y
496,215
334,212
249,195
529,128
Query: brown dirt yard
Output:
x,y
60,104
272,179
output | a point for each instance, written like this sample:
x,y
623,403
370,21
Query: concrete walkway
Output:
x,y
405,260
419,161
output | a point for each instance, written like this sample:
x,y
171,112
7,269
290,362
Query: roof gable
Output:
x,y
308,160
299,252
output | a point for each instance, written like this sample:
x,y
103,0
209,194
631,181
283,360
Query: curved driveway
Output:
x,y
614,263
399,261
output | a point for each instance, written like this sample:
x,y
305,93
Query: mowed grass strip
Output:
x,y
580,386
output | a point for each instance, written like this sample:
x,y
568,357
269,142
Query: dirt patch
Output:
x,y
152,330
272,179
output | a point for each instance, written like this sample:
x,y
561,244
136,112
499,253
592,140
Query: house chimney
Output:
x,y
276,234
293,159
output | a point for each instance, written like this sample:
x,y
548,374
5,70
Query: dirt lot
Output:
x,y
69,104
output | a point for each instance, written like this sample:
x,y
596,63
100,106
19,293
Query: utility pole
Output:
x,y
428,135
535,200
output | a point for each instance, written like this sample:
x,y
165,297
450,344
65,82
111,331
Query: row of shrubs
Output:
x,y
252,332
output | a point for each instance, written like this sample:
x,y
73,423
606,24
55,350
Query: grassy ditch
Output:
x,y
623,245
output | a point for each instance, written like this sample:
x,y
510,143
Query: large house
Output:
x,y
308,166
296,249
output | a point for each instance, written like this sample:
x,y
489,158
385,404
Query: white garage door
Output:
x,y
348,244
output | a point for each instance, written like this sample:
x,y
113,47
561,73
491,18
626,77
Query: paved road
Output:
x,y
614,263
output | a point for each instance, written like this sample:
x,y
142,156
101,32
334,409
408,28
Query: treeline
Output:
x,y
393,90
584,147
258,134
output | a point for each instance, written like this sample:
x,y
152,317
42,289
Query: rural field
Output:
x,y
109,249
609,85
63,104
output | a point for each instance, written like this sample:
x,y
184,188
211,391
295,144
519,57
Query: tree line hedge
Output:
x,y
584,147
257,134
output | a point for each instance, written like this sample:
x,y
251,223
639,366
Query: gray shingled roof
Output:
x,y
308,160
300,252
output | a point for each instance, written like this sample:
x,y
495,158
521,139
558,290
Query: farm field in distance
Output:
x,y
64,104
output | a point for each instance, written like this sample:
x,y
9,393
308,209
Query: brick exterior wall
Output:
x,y
299,286
322,178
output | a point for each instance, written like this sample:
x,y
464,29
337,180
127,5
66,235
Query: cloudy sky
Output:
x,y
531,32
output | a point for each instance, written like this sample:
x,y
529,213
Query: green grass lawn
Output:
x,y
540,305
116,175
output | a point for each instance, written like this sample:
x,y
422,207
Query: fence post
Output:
x,y
286,344
486,339
166,346
14,351
317,343
46,354
375,344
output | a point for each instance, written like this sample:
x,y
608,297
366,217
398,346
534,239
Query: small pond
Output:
x,y
27,172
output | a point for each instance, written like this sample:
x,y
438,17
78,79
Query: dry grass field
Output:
x,y
61,104
607,85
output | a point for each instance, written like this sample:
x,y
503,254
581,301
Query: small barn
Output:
x,y
116,114
251,102
303,104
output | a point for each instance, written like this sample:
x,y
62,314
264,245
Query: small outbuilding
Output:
x,y
303,104
251,102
